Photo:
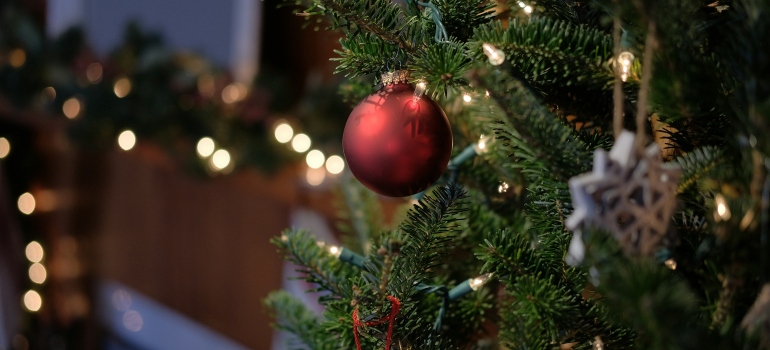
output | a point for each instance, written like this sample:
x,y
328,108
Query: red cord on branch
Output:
x,y
395,306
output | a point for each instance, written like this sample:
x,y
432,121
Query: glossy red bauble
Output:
x,y
396,146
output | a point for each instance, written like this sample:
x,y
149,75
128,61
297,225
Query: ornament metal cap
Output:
x,y
395,77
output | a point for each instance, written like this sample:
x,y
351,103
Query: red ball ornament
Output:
x,y
397,145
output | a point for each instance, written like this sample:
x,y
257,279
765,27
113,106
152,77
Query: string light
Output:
x,y
522,4
315,159
220,159
32,301
419,90
37,273
205,147
17,57
283,133
300,143
122,87
34,252
482,146
598,343
126,140
71,108
5,147
624,59
477,282
467,98
94,73
495,55
722,210
335,164
671,264
503,187
528,10
26,203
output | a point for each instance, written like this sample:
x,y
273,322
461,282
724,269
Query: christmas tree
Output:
x,y
608,186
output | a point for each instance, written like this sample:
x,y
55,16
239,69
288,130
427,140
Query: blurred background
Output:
x,y
149,149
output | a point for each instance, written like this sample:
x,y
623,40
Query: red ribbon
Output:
x,y
395,306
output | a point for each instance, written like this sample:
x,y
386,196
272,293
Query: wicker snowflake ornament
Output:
x,y
630,196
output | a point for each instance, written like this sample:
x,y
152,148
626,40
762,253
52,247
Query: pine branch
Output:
x,y
380,17
318,266
292,316
697,165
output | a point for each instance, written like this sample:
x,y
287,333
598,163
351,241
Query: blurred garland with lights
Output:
x,y
143,91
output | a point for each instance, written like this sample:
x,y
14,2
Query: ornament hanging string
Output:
x,y
395,307
618,98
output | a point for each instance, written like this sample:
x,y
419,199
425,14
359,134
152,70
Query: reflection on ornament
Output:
x,y
419,90
395,146
632,199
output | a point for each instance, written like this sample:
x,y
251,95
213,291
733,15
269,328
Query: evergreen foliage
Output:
x,y
550,106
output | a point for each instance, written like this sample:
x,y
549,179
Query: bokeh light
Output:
x,y
300,143
126,140
17,57
94,72
37,273
234,92
205,147
5,147
122,87
34,252
315,159
32,301
315,177
26,203
71,108
220,159
283,133
121,300
335,164
133,321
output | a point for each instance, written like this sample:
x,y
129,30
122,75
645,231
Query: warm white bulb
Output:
x,y
126,140
71,108
5,147
723,211
495,56
220,159
32,301
335,251
467,98
528,9
671,264
522,4
335,164
34,252
26,203
419,90
503,187
301,143
205,147
315,159
283,133
477,282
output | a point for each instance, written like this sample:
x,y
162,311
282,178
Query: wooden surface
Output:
x,y
198,246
